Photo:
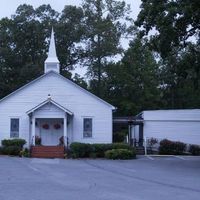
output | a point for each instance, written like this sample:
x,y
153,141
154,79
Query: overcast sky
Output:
x,y
8,7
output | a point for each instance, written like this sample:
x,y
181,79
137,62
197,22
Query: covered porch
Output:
x,y
50,129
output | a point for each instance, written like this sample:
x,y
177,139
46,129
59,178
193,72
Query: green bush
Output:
x,y
1,150
194,150
121,146
81,150
99,149
123,154
12,146
168,147
13,142
11,150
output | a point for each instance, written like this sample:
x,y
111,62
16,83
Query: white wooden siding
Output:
x,y
64,93
177,125
186,114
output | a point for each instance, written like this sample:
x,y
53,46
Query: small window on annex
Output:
x,y
14,128
87,127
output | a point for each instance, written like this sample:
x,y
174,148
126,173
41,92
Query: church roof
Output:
x,y
69,81
49,100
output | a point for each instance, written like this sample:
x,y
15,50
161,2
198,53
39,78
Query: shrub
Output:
x,y
99,149
121,146
11,150
24,153
1,150
168,147
13,142
82,150
12,146
194,150
123,154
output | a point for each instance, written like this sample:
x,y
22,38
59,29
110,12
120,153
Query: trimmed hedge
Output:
x,y
84,150
194,150
12,146
168,147
123,154
11,150
13,142
80,150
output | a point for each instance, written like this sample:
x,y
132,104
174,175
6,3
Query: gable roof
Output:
x,y
49,100
69,81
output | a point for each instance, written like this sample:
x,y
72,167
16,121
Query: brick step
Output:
x,y
47,156
47,151
43,155
41,152
47,147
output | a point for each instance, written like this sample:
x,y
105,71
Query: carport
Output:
x,y
135,138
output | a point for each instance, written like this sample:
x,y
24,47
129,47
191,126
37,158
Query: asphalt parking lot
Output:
x,y
145,178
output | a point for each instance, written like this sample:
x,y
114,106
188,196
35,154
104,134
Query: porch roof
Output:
x,y
49,100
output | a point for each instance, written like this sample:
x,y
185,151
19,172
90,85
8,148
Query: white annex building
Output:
x,y
176,125
53,107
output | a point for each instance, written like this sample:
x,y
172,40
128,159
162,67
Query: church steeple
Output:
x,y
52,63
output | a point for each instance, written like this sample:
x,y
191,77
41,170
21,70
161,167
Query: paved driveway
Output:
x,y
141,179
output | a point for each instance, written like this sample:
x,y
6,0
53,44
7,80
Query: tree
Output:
x,y
24,43
133,82
69,32
21,49
104,29
180,77
172,28
174,23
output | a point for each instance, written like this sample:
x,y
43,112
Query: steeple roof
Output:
x,y
52,56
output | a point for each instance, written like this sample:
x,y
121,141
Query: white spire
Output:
x,y
52,62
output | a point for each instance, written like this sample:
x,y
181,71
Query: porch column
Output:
x,y
33,130
65,130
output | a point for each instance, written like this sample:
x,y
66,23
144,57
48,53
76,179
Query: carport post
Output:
x,y
145,146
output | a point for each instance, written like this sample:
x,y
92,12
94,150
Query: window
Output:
x,y
87,127
14,128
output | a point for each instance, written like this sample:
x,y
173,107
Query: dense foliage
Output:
x,y
168,147
173,21
122,154
13,142
84,150
12,146
160,68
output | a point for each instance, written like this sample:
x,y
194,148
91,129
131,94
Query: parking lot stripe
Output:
x,y
149,157
180,157
33,168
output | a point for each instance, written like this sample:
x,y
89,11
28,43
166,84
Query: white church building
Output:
x,y
53,107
